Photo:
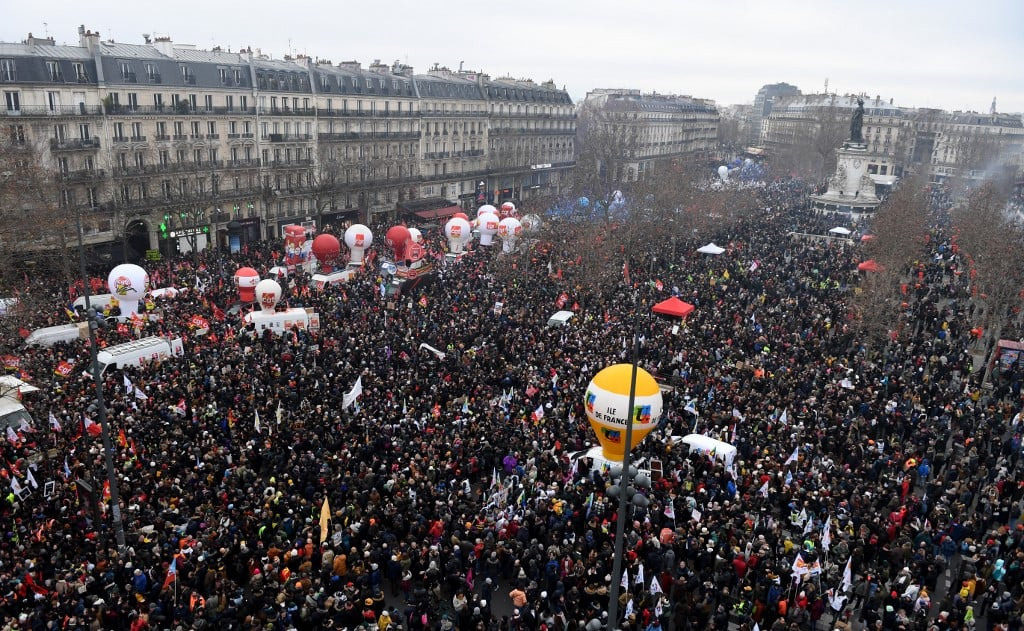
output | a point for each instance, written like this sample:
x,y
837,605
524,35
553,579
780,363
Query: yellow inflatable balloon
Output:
x,y
607,402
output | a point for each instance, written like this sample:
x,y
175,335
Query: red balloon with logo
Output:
x,y
326,247
246,279
397,239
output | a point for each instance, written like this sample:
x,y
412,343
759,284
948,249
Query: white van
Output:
x,y
594,460
99,302
138,352
281,322
560,318
701,444
50,335
322,281
12,413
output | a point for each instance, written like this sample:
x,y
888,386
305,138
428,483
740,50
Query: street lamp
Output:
x,y
101,408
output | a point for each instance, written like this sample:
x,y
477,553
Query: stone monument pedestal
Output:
x,y
850,190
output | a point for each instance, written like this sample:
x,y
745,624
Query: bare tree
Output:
x,y
991,243
607,142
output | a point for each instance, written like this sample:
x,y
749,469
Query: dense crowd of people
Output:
x,y
453,504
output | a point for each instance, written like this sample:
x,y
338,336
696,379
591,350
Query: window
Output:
x,y
186,74
152,72
90,164
237,75
192,101
224,77
179,129
62,166
122,161
197,156
126,71
83,131
208,102
213,155
161,129
211,128
17,134
133,101
243,102
92,197
180,156
80,74
137,131
53,69
233,128
7,71
165,157
158,101
13,101
229,101
53,101
195,129
167,189
119,131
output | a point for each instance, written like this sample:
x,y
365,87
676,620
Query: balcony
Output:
x,y
83,175
234,136
213,136
76,144
161,138
290,137
179,137
119,139
289,111
437,155
242,164
59,110
138,139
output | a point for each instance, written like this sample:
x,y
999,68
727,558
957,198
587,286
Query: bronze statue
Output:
x,y
856,122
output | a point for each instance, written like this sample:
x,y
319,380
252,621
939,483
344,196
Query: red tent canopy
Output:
x,y
673,307
869,266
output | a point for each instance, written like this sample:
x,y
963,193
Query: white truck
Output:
x,y
138,352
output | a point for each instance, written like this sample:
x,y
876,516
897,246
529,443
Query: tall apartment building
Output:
x,y
163,145
966,145
649,128
764,101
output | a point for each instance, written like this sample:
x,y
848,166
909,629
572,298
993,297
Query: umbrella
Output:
x,y
840,230
710,248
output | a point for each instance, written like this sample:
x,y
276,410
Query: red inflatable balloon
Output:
x,y
326,247
246,279
397,239
461,216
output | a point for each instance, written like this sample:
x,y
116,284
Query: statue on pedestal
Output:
x,y
856,122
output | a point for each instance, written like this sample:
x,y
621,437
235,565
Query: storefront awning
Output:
x,y
438,213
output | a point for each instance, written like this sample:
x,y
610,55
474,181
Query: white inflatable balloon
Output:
x,y
268,293
488,228
458,231
723,172
129,283
509,229
531,223
486,208
358,237
415,235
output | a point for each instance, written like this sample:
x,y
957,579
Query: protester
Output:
x,y
446,489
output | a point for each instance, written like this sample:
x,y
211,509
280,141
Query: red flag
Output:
x,y
218,313
121,438
562,299
92,427
23,332
63,369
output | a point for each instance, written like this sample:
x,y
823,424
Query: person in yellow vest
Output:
x,y
384,621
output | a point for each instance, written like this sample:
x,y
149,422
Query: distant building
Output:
x,y
764,101
160,141
966,145
648,129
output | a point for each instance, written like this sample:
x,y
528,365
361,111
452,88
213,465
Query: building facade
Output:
x,y
165,146
968,146
643,130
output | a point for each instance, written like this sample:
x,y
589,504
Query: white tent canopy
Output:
x,y
840,230
710,248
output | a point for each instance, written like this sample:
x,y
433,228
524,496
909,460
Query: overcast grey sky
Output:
x,y
937,53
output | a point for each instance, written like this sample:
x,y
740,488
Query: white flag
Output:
x,y
629,608
54,423
31,478
847,577
11,434
655,586
764,490
793,457
784,419
808,525
695,515
670,511
624,583
757,627
802,517
280,412
256,422
353,394
640,576
836,600
15,485
826,534
691,406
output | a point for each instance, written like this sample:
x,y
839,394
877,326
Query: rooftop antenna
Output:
x,y
826,85
460,65
289,47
